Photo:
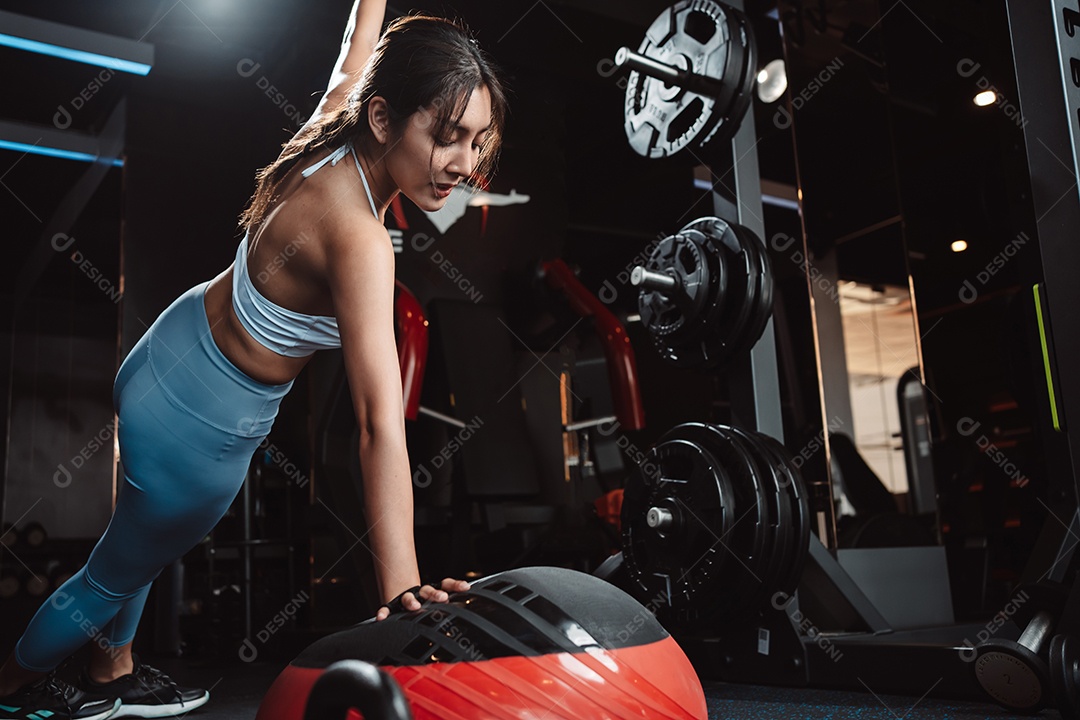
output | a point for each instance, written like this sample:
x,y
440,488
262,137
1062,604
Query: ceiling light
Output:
x,y
959,245
986,97
772,81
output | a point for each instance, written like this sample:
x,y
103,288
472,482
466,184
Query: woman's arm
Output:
x,y
360,271
361,34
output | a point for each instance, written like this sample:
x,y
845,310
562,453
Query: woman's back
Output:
x,y
287,257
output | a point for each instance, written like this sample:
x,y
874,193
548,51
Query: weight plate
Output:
x,y
1012,675
778,550
1065,675
762,311
729,340
676,503
718,237
674,313
748,535
713,298
707,39
799,505
744,82
710,235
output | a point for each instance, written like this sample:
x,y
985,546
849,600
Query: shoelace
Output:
x,y
147,675
57,689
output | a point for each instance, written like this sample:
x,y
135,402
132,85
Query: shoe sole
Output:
x,y
107,714
161,711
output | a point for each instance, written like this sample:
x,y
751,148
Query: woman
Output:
x,y
416,110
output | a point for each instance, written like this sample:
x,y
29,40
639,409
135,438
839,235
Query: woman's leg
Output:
x,y
189,422
13,676
107,664
180,475
152,525
112,658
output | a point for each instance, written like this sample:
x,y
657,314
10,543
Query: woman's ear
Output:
x,y
379,119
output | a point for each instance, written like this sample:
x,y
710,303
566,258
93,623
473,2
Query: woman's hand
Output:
x,y
409,602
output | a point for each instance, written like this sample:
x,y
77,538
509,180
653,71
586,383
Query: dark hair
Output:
x,y
421,63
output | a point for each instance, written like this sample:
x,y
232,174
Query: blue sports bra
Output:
x,y
285,331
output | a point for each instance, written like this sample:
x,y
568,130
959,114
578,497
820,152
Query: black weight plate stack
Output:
x,y
762,310
682,560
731,522
757,304
735,343
717,338
781,550
723,344
752,536
1065,675
799,503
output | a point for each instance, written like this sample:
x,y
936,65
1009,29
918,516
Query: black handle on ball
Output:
x,y
627,58
349,684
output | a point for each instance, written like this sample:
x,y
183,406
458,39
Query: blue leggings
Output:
x,y
189,423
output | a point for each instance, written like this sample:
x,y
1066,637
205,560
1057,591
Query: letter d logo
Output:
x,y
248,652
63,597
607,293
421,242
781,242
782,119
967,67
966,426
61,478
609,430
968,293
61,242
246,68
422,477
62,118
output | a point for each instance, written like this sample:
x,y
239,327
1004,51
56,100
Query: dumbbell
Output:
x,y
9,583
36,583
8,535
1013,673
33,535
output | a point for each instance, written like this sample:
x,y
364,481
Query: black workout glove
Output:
x,y
395,605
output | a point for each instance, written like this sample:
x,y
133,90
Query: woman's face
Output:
x,y
426,178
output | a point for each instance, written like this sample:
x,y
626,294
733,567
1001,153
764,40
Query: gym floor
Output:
x,y
237,688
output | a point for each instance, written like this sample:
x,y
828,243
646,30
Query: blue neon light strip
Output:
x,y
129,66
765,199
779,202
58,153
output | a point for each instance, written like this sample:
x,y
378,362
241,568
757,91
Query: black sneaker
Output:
x,y
146,693
52,699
